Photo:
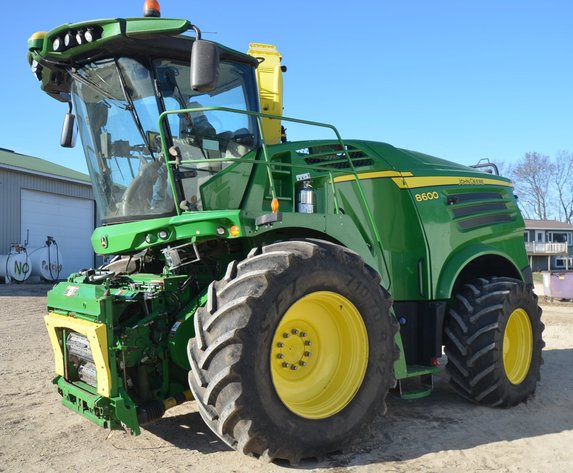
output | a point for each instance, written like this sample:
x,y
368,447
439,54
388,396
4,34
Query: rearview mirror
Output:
x,y
204,65
68,139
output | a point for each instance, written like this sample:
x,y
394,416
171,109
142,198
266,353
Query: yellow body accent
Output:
x,y
319,355
97,338
429,181
38,35
517,346
270,82
171,402
406,180
370,175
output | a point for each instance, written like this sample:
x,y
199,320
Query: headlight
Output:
x,y
36,69
70,39
92,34
58,44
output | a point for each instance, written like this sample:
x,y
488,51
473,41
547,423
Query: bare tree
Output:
x,y
532,177
563,180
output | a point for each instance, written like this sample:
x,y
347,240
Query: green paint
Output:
x,y
419,221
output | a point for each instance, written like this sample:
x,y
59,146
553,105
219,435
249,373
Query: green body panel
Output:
x,y
144,356
139,235
87,302
113,412
421,222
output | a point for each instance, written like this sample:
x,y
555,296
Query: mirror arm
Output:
x,y
197,31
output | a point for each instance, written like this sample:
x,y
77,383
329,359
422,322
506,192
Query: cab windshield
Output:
x,y
118,102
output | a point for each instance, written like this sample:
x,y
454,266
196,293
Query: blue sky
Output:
x,y
462,80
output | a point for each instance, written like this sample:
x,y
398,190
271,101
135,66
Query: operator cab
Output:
x,y
118,101
118,89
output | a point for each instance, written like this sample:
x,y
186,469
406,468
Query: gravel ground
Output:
x,y
441,433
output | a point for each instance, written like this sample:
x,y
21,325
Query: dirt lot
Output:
x,y
441,433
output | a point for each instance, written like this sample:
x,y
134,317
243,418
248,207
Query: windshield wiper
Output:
x,y
132,109
89,83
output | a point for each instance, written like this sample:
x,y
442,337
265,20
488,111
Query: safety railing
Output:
x,y
324,168
535,248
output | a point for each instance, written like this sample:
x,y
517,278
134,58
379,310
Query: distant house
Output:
x,y
549,245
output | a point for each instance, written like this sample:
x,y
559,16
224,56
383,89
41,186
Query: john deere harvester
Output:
x,y
286,286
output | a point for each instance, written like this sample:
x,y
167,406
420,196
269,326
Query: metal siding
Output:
x,y
11,183
69,220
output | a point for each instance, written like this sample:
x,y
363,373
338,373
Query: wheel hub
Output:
x,y
294,349
319,355
517,346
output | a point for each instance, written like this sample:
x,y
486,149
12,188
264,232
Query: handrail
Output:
x,y
267,161
259,116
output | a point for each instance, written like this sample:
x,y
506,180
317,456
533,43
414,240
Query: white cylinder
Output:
x,y
15,267
46,262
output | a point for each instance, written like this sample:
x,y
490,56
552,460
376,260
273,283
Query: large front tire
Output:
x,y
493,340
293,354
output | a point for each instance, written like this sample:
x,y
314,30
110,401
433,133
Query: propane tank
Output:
x,y
305,198
15,266
46,261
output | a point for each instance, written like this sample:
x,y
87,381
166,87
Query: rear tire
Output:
x,y
315,306
493,341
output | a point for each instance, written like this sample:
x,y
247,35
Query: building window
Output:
x,y
560,237
540,237
526,237
560,262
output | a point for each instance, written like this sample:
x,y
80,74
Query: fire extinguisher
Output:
x,y
305,198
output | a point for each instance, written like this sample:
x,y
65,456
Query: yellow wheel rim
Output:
x,y
319,355
517,346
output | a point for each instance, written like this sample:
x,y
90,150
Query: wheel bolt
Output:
x,y
302,363
285,365
293,367
303,334
307,354
307,343
286,335
280,344
280,356
294,331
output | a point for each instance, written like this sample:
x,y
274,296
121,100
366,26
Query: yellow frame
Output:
x,y
97,337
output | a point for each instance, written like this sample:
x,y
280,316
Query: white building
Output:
x,y
41,199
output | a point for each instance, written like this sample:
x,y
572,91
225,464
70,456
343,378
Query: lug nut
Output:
x,y
280,356
307,343
285,365
293,367
303,334
280,344
294,331
307,354
286,335
302,363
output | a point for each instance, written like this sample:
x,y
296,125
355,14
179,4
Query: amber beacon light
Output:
x,y
151,8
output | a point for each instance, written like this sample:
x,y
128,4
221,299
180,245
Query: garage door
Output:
x,y
69,220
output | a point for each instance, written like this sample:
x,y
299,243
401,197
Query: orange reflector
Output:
x,y
234,231
275,205
151,8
